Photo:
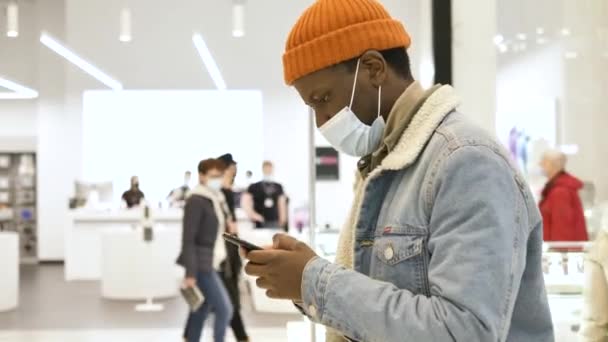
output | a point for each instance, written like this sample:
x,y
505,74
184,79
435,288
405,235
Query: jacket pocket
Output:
x,y
399,259
395,249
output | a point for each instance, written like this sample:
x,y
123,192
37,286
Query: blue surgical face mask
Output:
x,y
346,133
215,184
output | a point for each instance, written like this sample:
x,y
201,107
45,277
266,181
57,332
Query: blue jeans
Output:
x,y
216,300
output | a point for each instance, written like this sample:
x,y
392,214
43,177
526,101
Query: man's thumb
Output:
x,y
284,241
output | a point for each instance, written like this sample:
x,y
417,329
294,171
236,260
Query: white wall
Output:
x,y
474,59
57,152
157,135
528,87
18,58
585,89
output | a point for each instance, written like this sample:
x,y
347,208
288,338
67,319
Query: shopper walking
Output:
x,y
561,206
444,241
203,250
231,267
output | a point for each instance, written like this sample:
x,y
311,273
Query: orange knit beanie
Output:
x,y
333,31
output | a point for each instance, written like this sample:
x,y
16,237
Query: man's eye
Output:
x,y
325,99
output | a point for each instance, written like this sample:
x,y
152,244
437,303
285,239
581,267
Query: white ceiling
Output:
x,y
161,55
585,20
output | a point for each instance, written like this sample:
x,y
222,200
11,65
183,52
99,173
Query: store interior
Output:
x,y
94,92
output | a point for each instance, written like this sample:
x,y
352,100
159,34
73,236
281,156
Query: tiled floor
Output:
x,y
52,310
150,335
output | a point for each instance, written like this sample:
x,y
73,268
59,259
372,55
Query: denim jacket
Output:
x,y
443,244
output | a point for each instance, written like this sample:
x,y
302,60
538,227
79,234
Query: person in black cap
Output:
x,y
230,269
228,182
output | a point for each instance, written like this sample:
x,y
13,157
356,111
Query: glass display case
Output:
x,y
18,200
563,268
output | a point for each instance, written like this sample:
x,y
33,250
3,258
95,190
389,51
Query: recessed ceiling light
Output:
x,y
78,61
238,19
12,20
502,48
565,32
571,55
17,90
541,40
125,26
522,36
540,30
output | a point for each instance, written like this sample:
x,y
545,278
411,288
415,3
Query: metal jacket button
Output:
x,y
389,253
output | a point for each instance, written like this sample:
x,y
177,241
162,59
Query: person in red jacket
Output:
x,y
561,206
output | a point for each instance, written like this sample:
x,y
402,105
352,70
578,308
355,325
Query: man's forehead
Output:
x,y
326,77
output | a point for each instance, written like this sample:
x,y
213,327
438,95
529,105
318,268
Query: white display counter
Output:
x,y
9,269
133,269
83,236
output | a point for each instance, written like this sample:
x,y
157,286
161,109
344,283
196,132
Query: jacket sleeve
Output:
x,y
193,214
562,214
478,258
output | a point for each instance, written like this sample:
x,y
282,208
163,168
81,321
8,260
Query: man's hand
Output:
x,y
189,282
280,269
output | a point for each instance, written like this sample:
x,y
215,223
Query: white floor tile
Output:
x,y
257,334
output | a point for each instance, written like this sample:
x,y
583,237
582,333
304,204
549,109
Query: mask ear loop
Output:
x,y
352,96
379,99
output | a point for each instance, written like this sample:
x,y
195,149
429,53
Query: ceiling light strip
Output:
x,y
18,91
85,66
209,62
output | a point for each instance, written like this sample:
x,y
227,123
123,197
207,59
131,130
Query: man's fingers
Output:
x,y
284,241
255,270
263,283
245,253
262,257
272,294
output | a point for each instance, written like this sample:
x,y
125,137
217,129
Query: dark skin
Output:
x,y
329,90
279,269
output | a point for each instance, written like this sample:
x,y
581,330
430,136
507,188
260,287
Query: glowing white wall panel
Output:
x,y
157,135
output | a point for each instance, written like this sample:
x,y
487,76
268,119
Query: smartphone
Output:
x,y
233,239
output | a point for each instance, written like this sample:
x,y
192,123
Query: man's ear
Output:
x,y
374,63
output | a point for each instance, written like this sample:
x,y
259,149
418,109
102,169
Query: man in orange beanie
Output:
x,y
444,238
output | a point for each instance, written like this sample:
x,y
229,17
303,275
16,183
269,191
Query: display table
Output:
x,y
83,236
9,269
133,269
